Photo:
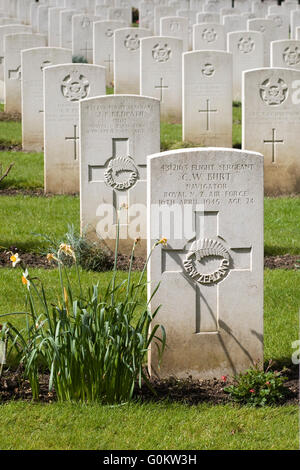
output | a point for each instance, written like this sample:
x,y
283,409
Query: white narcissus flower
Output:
x,y
25,280
15,259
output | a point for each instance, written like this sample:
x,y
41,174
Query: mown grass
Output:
x,y
10,133
51,216
282,227
23,216
282,300
27,173
148,426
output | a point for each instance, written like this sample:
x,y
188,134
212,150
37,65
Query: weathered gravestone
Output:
x,y
82,35
282,26
146,16
234,23
33,62
54,26
247,48
13,45
271,123
295,22
5,30
207,98
117,134
64,86
42,19
127,59
176,27
120,14
161,70
208,18
209,37
268,28
65,22
285,54
211,269
103,45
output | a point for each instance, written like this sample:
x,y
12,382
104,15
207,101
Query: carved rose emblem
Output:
x,y
209,35
246,45
132,42
161,53
75,86
273,92
291,56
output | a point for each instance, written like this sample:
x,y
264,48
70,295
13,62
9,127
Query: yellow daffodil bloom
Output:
x,y
163,242
67,249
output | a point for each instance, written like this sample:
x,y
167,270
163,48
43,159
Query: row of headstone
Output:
x,y
208,203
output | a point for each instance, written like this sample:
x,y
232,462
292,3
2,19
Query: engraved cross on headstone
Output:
x,y
109,61
96,173
208,111
15,74
273,142
86,50
75,139
161,87
205,310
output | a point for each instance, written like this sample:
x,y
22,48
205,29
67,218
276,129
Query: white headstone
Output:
x,y
117,134
127,60
208,18
268,28
146,16
247,48
285,54
82,36
234,23
13,45
161,69
54,26
33,62
103,45
65,22
161,12
282,25
211,269
42,19
207,98
295,21
64,86
176,27
120,14
271,120
209,36
9,29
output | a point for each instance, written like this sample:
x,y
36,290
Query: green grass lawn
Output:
x,y
281,310
10,133
53,214
27,173
149,426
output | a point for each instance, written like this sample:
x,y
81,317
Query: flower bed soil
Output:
x,y
190,392
38,260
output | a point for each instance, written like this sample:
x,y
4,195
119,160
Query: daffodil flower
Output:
x,y
25,280
67,250
15,259
162,241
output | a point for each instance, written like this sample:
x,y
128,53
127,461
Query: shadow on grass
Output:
x,y
271,250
